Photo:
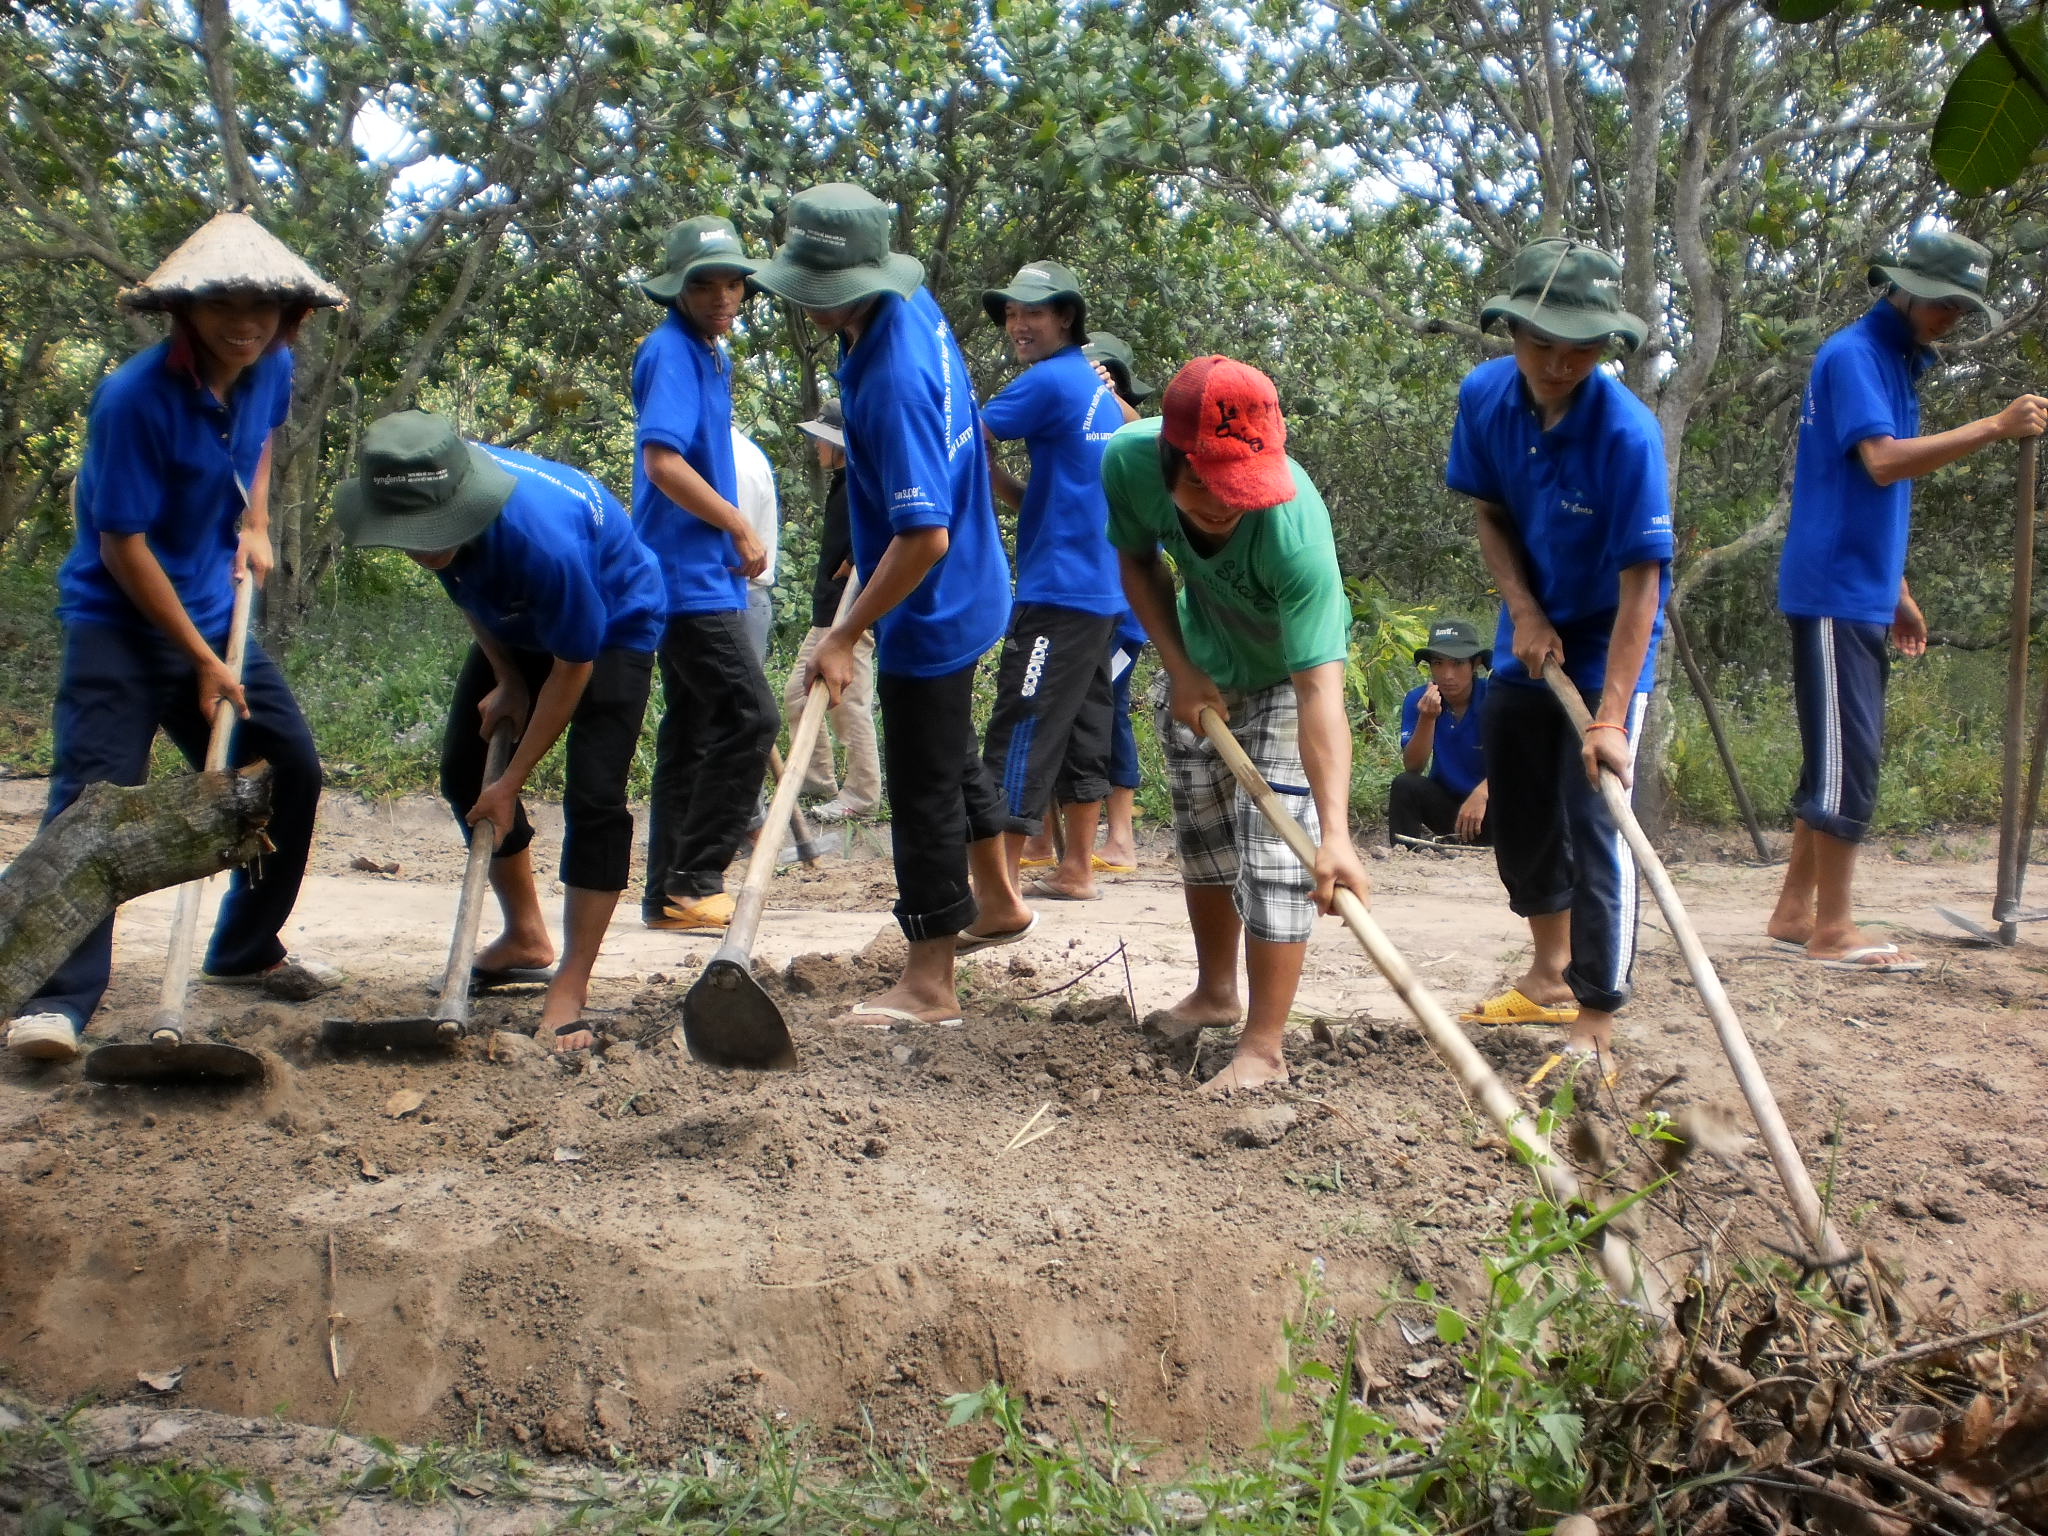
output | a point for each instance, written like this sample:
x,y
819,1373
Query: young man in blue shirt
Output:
x,y
1842,580
1049,732
1440,733
567,607
935,588
173,506
718,716
1575,523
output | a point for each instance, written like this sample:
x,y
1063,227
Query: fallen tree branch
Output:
x,y
112,845
1949,1346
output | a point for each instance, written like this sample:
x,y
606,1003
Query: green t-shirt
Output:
x,y
1269,603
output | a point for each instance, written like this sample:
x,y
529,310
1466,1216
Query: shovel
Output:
x,y
1627,1274
1763,1104
167,1056
728,1021
445,1025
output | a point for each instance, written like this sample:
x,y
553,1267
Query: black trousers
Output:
x,y
940,797
1049,732
718,721
1417,806
597,836
117,689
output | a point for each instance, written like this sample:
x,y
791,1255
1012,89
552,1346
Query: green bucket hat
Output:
x,y
1040,282
1939,265
1567,289
837,251
1114,353
704,244
420,486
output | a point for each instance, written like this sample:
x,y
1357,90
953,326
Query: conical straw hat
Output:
x,y
232,253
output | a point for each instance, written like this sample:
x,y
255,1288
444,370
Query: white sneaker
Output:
x,y
834,809
44,1037
294,979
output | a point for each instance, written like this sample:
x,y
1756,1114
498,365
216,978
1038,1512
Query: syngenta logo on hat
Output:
x,y
411,477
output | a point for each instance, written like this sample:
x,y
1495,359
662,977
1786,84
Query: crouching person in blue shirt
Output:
x,y
1440,732
1575,523
935,587
173,507
567,607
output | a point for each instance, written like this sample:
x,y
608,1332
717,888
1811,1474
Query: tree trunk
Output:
x,y
112,845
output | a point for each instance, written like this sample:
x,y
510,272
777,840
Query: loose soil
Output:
x,y
623,1249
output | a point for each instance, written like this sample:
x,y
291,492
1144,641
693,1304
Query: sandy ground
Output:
x,y
624,1249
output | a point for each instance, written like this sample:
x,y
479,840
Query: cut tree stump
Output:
x,y
112,845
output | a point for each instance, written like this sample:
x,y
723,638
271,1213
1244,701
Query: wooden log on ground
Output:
x,y
112,845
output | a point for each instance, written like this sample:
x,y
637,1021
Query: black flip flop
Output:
x,y
484,979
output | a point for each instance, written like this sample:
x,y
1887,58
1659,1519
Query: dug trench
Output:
x,y
619,1249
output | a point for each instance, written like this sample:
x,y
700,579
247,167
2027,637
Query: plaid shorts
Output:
x,y
1217,830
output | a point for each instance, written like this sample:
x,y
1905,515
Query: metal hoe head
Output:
x,y
173,1061
415,1034
730,1023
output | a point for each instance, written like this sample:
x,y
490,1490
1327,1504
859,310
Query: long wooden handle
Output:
x,y
799,828
170,1008
1763,1104
753,897
2012,873
453,1006
1625,1271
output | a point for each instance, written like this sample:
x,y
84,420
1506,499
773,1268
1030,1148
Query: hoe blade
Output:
x,y
729,1022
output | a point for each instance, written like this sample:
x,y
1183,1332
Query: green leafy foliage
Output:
x,y
1992,121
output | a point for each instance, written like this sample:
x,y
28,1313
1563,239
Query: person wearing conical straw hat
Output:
x,y
1842,579
172,504
718,713
1574,520
935,587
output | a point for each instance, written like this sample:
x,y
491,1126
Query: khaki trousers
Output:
x,y
853,723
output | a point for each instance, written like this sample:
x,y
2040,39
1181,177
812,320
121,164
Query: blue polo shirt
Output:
x,y
1064,414
1587,497
682,400
1130,634
915,459
560,569
164,458
1457,758
1845,546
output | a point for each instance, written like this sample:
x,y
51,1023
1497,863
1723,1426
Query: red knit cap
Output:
x,y
1225,416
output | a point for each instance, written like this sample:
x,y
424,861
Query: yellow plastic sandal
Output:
x,y
1516,1007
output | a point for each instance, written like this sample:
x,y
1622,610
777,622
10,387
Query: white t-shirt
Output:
x,y
756,498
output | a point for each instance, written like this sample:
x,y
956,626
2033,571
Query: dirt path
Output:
x,y
627,1250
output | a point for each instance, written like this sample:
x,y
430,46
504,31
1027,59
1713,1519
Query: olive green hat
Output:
x,y
704,244
1566,289
420,486
1040,282
1114,353
1938,265
837,251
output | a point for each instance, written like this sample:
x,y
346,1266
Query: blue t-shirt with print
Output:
x,y
560,569
682,401
1065,414
915,459
165,459
1587,498
1845,546
1457,757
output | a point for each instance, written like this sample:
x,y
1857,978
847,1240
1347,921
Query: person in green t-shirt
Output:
x,y
1259,632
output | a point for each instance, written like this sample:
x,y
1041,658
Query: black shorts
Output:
x,y
1049,732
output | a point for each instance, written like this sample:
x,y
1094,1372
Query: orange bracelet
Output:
x,y
1606,725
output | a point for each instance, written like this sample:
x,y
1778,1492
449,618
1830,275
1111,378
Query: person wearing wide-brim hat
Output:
x,y
1048,737
935,587
1574,520
172,504
1842,578
566,606
852,719
718,718
1441,789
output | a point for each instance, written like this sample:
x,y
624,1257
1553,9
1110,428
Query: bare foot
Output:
x,y
1039,850
1063,887
1550,991
508,952
1123,854
1193,1014
1835,944
566,1035
1247,1072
